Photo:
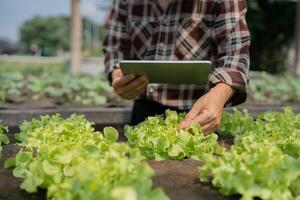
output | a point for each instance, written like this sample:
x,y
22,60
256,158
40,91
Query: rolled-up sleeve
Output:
x,y
116,44
231,36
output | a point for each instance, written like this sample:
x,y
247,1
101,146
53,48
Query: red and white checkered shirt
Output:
x,y
213,30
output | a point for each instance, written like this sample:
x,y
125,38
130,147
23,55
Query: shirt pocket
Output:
x,y
193,39
141,33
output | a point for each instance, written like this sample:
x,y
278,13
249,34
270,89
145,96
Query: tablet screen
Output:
x,y
172,72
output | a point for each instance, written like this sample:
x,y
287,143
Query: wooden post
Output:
x,y
76,37
297,39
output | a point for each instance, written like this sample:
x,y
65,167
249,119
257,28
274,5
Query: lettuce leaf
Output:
x,y
3,138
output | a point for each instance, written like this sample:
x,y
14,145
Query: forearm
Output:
x,y
222,92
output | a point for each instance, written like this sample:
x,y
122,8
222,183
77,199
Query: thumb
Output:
x,y
116,73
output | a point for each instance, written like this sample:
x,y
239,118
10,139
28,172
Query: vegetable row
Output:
x,y
262,163
264,160
265,87
64,88
61,88
72,161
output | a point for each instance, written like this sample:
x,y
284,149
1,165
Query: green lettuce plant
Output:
x,y
159,138
3,137
235,123
252,170
72,161
264,160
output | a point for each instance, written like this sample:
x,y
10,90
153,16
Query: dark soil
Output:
x,y
180,181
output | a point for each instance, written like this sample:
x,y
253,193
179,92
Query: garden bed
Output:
x,y
256,145
179,179
105,115
99,115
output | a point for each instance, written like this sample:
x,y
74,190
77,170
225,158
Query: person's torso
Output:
x,y
180,31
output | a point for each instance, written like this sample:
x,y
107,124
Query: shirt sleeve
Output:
x,y
116,44
231,35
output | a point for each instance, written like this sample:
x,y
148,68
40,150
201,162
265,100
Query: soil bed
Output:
x,y
179,179
99,115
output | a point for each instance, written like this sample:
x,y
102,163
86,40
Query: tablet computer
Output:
x,y
172,72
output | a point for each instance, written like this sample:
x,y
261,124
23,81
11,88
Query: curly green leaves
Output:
x,y
160,138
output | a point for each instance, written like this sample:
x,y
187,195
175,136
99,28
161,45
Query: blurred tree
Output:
x,y
48,34
272,25
52,34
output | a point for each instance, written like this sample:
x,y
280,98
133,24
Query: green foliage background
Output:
x,y
272,27
53,33
49,34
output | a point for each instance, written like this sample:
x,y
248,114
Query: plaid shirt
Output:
x,y
213,30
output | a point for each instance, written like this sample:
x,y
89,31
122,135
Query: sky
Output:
x,y
13,13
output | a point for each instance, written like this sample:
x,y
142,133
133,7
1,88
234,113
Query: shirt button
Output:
x,y
151,90
161,45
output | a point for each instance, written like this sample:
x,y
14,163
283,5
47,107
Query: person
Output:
x,y
213,30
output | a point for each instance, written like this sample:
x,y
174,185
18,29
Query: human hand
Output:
x,y
128,86
207,111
